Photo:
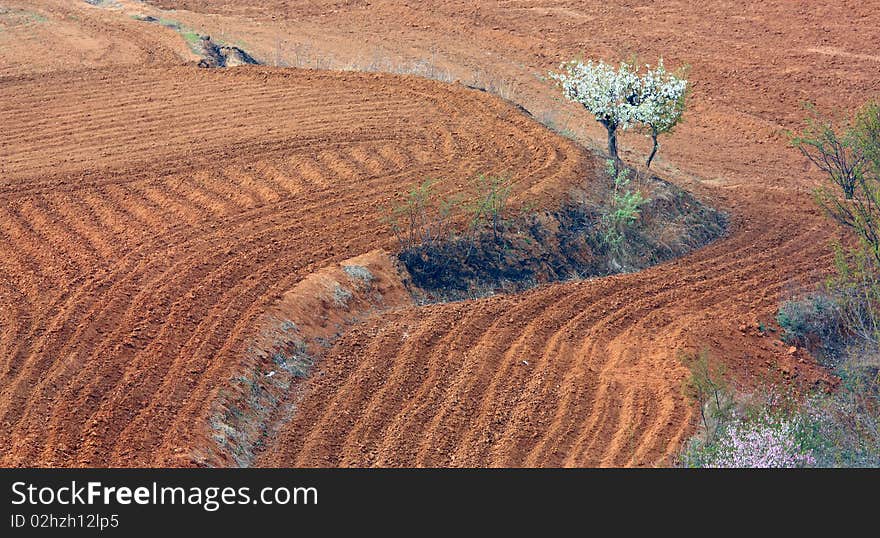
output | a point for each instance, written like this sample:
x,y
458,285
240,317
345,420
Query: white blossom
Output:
x,y
610,94
620,97
661,99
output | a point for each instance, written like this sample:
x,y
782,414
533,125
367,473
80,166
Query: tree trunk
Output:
x,y
653,150
849,188
612,144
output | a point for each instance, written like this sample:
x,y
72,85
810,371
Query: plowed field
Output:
x,y
150,213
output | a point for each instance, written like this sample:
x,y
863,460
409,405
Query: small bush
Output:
x,y
766,434
708,388
840,325
856,289
812,322
624,208
426,219
490,205
850,157
423,218
777,428
847,423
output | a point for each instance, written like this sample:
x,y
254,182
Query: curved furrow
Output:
x,y
135,256
571,445
157,290
335,415
465,395
511,406
165,276
605,409
153,210
20,254
363,438
78,217
130,418
578,387
63,243
653,363
542,406
469,372
535,332
335,408
420,407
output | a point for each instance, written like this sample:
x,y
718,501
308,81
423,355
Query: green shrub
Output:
x,y
812,322
848,419
423,218
769,439
781,429
624,207
855,286
833,146
708,388
850,157
490,204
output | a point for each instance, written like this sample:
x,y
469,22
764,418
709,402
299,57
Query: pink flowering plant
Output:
x,y
769,440
779,430
770,430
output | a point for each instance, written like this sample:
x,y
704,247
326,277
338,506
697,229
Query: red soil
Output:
x,y
152,214
60,35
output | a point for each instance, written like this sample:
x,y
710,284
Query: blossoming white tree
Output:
x,y
619,97
610,94
661,103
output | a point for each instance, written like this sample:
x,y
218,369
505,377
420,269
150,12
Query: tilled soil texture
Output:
x,y
62,35
584,373
150,215
579,374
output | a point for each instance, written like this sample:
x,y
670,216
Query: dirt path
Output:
x,y
150,214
